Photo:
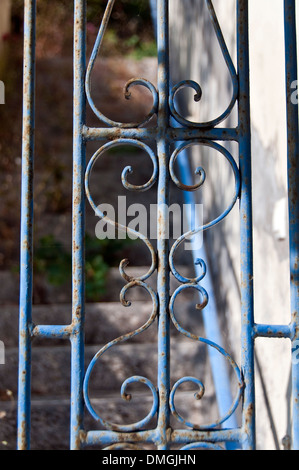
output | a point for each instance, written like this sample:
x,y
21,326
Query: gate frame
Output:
x,y
163,435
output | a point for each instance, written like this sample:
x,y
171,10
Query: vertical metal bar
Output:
x,y
218,364
163,242
78,290
25,314
246,234
293,178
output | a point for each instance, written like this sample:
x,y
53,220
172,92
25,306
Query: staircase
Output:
x,y
104,321
108,319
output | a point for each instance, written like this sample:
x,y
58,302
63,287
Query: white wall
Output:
x,y
196,55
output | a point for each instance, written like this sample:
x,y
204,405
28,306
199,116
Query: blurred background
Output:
x,y
127,51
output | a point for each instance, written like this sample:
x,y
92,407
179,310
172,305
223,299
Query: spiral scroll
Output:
x,y
197,88
129,186
224,152
136,379
131,283
198,383
188,283
202,445
133,82
123,446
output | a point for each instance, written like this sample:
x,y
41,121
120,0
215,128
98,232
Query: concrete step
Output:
x,y
9,292
51,386
50,418
51,366
104,321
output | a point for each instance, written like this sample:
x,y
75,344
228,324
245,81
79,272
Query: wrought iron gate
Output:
x,y
137,134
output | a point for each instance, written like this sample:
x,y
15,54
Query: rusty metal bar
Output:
x,y
162,224
52,331
246,229
78,256
187,134
293,178
273,331
177,436
171,134
26,257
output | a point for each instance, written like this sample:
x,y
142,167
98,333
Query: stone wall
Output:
x,y
195,54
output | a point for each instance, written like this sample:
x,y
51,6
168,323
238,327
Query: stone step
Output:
x,y
9,292
51,366
50,418
104,321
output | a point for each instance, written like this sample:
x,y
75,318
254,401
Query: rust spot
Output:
x,y
249,413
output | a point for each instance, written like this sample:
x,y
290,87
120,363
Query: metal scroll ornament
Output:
x,y
186,283
137,282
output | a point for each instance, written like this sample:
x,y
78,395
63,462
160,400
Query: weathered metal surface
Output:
x,y
184,133
293,178
26,258
246,231
164,134
78,269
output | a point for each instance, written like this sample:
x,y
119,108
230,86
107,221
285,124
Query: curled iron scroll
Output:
x,y
132,380
129,186
123,446
197,88
201,389
131,283
188,283
224,152
202,445
133,82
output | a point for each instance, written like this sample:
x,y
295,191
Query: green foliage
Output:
x,y
95,277
129,30
123,10
144,49
51,259
54,262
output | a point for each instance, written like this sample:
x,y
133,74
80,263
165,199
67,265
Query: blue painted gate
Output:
x,y
171,128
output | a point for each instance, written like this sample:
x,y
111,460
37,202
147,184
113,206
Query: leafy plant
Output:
x,y
129,19
95,281
54,262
